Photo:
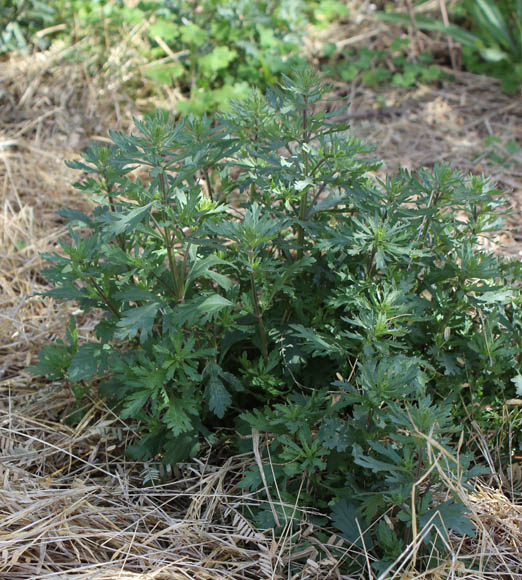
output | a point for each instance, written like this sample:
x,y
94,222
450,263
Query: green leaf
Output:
x,y
140,317
73,215
213,304
165,29
491,18
183,447
502,296
201,268
164,73
427,23
218,397
450,516
518,384
333,434
218,59
122,223
177,416
89,361
134,294
193,34
53,361
317,345
134,403
450,363
387,538
348,520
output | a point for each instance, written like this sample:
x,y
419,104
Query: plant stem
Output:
x,y
104,298
209,184
259,314
371,264
168,241
109,188
304,196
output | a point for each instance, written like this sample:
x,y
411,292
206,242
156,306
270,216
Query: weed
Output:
x,y
375,67
259,280
491,42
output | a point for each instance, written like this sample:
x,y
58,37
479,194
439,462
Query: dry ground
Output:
x,y
71,506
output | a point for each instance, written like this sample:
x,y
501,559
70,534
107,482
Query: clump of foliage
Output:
x,y
208,50
490,36
503,153
256,279
496,44
22,19
376,66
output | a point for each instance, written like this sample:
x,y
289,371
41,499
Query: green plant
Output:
x,y
208,51
246,42
497,28
19,20
503,153
493,42
375,67
249,273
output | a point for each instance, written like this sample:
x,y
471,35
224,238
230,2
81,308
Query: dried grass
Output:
x,y
71,505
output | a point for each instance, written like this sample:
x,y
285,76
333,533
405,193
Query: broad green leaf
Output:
x,y
333,434
53,361
183,447
176,417
202,268
219,399
164,73
165,29
502,296
136,319
128,221
193,34
134,294
134,403
317,344
218,59
213,304
89,361
450,516
73,215
348,520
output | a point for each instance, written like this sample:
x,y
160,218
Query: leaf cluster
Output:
x,y
490,36
209,51
375,67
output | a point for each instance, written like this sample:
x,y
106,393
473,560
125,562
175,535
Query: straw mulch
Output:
x,y
71,505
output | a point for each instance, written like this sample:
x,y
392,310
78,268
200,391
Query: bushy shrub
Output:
x,y
257,279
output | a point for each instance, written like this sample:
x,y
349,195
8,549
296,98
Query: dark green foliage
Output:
x,y
255,275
